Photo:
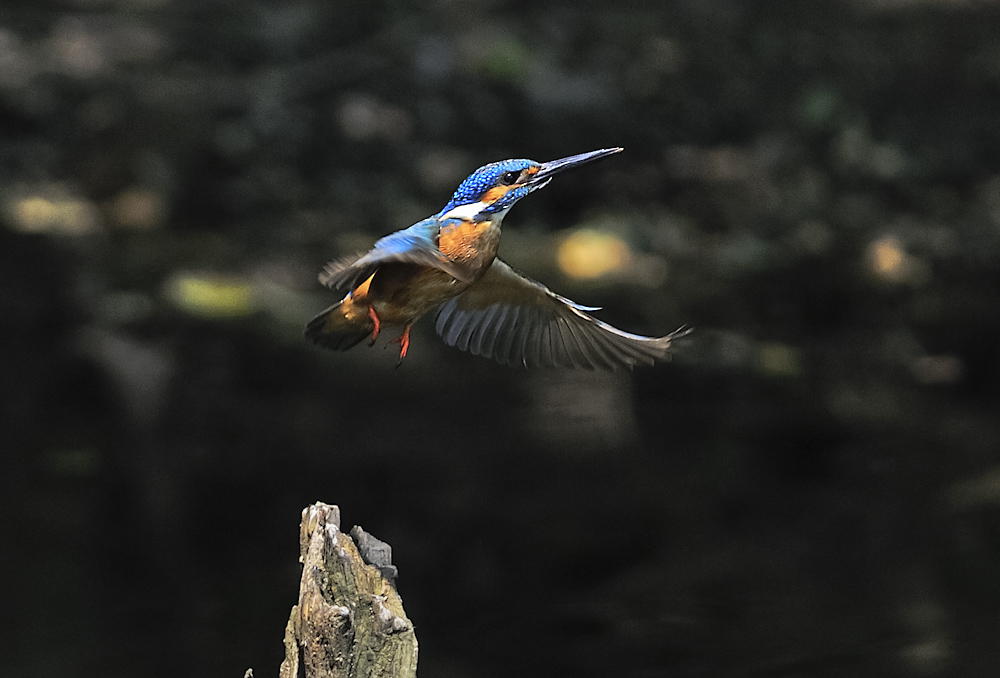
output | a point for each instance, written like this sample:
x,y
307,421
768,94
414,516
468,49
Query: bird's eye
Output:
x,y
508,178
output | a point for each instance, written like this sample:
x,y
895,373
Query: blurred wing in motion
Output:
x,y
517,321
414,245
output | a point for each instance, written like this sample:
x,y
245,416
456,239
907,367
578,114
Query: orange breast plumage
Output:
x,y
469,242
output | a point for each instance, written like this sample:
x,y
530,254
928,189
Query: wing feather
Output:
x,y
458,323
523,350
414,245
578,353
505,335
545,353
560,349
476,340
444,314
491,334
517,321
465,335
600,356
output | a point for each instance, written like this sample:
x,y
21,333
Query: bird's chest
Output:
x,y
473,243
402,292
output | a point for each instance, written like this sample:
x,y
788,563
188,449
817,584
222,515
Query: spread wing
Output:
x,y
517,321
414,245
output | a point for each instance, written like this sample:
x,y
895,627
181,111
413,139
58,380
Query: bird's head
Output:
x,y
492,189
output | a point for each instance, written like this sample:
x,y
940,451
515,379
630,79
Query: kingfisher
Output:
x,y
449,261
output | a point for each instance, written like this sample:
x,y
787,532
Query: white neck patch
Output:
x,y
467,212
470,211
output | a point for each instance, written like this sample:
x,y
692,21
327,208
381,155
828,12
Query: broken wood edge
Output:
x,y
349,621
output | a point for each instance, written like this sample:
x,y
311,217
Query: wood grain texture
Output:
x,y
349,621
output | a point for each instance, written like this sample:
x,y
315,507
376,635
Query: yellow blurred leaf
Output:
x,y
211,296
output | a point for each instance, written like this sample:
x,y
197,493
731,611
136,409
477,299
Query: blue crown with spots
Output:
x,y
477,185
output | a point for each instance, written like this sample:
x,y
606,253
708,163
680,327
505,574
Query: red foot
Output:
x,y
378,324
404,343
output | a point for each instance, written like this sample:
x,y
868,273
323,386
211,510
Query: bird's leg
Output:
x,y
404,343
378,324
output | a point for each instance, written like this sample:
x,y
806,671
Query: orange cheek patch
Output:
x,y
494,194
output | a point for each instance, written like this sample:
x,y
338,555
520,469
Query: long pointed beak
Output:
x,y
548,169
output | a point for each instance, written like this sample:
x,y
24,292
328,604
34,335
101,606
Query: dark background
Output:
x,y
810,488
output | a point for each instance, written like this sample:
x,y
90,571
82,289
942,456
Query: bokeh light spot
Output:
x,y
888,257
53,214
890,261
589,254
139,208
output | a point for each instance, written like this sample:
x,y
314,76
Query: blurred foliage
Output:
x,y
809,488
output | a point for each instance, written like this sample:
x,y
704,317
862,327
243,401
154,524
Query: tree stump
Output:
x,y
349,621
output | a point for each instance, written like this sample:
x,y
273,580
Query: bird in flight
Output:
x,y
486,307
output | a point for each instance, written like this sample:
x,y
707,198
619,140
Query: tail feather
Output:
x,y
338,331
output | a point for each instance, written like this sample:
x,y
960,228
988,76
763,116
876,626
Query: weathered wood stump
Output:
x,y
349,621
